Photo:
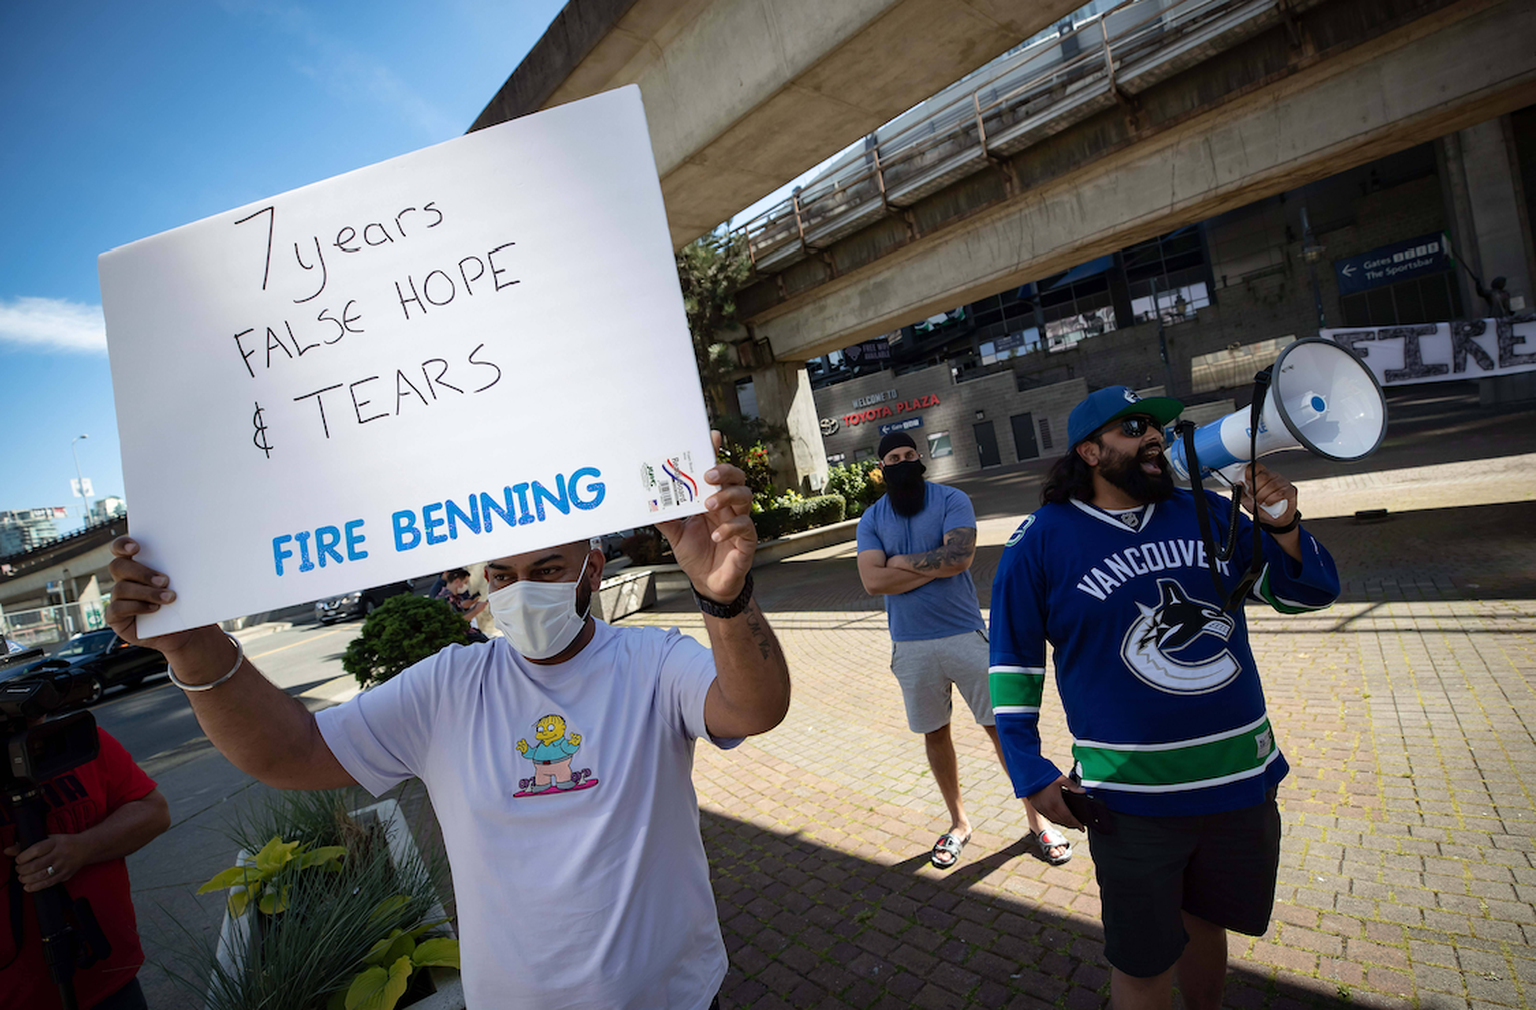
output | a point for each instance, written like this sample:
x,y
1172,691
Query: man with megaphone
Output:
x,y
1175,763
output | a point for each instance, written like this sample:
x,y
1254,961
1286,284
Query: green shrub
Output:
x,y
805,514
404,630
852,481
751,460
874,485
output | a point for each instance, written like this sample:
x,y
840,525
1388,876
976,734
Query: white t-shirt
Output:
x,y
591,895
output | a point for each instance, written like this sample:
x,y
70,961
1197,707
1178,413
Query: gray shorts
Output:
x,y
925,670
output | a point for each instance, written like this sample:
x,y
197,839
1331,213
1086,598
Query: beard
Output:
x,y
1127,472
905,486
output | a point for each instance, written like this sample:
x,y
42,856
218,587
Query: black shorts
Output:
x,y
1219,867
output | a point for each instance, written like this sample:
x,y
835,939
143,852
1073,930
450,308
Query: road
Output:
x,y
153,717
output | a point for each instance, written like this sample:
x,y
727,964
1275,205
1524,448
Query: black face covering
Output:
x,y
905,486
1124,471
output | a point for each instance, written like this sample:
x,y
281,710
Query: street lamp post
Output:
x,y
85,515
1312,252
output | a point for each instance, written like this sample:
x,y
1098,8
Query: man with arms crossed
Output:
x,y
582,887
916,545
1160,691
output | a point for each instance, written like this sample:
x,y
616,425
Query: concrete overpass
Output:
x,y
1316,91
72,559
744,95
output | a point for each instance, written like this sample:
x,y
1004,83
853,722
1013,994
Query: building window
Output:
x,y
938,445
1432,299
1167,275
1045,434
746,397
863,452
1012,345
1077,305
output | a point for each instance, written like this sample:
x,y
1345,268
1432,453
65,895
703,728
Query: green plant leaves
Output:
x,y
274,855
256,874
404,631
391,906
377,989
231,877
273,902
440,951
328,856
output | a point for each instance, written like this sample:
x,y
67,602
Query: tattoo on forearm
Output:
x,y
959,544
758,629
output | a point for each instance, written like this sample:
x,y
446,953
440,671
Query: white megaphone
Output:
x,y
1321,398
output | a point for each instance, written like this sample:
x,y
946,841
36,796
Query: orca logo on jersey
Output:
x,y
1177,623
1018,534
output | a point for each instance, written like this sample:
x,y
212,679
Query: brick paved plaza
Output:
x,y
1408,873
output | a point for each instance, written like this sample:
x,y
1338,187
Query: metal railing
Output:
x,y
1005,107
41,627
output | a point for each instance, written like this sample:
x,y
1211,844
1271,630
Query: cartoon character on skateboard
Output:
x,y
551,755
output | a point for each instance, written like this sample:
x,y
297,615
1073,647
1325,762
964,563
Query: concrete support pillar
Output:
x,y
1487,208
784,398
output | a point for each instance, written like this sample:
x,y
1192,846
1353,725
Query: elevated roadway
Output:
x,y
1305,95
744,95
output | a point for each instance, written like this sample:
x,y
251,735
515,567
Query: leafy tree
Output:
x,y
710,270
405,630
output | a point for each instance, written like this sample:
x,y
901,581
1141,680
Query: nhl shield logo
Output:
x,y
1176,624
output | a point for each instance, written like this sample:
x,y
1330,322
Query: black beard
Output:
x,y
1124,471
905,486
908,501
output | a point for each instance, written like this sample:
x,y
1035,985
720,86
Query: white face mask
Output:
x,y
539,618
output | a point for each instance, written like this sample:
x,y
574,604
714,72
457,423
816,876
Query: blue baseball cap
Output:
x,y
1114,402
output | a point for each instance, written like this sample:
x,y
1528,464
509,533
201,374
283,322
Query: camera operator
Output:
x,y
99,813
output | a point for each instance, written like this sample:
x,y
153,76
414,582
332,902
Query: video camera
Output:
x,y
37,753
71,937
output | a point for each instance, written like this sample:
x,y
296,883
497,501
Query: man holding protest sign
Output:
x,y
558,759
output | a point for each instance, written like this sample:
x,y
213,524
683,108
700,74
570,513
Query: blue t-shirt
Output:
x,y
938,608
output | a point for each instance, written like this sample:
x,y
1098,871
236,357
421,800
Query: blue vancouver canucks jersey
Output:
x,y
1159,684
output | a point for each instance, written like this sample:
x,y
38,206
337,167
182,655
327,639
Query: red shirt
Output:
x,y
78,799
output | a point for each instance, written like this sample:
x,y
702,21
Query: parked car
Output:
x,y
109,660
357,604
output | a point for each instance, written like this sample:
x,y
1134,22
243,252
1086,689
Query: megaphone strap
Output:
x,y
1224,552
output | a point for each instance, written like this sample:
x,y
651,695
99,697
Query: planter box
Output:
x,y
448,988
625,594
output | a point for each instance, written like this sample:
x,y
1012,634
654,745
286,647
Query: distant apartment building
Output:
x,y
106,509
23,529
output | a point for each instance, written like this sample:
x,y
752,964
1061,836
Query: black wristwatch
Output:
x,y
1278,530
723,610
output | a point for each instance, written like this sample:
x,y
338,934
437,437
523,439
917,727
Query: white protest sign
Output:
x,y
1434,352
470,351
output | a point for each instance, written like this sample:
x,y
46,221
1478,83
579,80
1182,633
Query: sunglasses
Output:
x,y
1135,427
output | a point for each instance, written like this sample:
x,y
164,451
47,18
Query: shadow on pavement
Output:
x,y
807,925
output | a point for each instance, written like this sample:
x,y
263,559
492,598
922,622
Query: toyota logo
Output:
x,y
829,426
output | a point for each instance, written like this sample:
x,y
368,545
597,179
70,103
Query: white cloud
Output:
x,y
52,324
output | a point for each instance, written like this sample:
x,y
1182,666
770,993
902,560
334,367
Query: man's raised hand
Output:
x,y
138,589
715,549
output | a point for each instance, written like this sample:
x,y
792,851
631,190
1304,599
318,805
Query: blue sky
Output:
x,y
123,120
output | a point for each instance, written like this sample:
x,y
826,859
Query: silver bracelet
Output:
x,y
239,658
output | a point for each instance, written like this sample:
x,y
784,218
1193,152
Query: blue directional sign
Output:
x,y
907,425
1388,264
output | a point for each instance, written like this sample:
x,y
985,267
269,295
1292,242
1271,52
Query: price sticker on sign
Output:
x,y
443,358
